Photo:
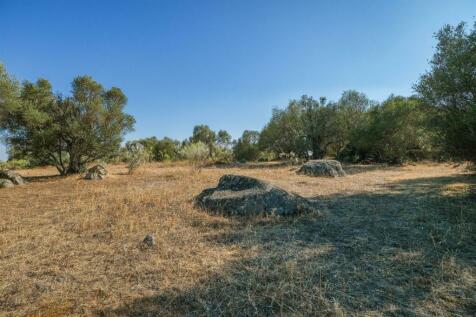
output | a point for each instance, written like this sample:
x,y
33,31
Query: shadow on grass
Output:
x,y
352,169
254,165
42,178
406,251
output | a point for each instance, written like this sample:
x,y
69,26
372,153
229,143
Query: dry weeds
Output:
x,y
396,241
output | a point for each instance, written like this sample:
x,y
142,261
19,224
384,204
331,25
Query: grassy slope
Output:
x,y
386,241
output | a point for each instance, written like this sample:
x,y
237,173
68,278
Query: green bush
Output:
x,y
15,164
166,150
394,132
196,153
247,148
136,154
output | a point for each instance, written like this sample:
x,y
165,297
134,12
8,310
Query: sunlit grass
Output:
x,y
386,240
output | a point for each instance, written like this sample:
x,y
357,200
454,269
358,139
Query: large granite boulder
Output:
x,y
12,176
96,172
322,168
246,196
5,183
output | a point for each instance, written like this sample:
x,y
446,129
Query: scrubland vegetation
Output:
x,y
395,237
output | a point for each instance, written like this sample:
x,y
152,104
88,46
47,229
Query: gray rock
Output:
x,y
247,196
149,240
322,168
5,183
96,172
13,176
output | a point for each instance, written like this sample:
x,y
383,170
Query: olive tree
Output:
x,y
67,132
450,88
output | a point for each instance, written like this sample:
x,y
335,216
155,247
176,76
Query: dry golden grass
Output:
x,y
396,241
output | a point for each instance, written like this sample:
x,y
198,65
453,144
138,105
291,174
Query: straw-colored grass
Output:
x,y
393,241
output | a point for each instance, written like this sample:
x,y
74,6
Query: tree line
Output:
x,y
438,122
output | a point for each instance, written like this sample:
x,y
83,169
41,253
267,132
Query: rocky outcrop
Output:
x,y
12,176
5,183
322,168
96,172
247,196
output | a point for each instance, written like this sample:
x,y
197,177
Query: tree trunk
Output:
x,y
74,165
316,149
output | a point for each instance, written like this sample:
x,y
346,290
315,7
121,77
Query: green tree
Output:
x,y
284,133
350,112
319,124
67,132
223,138
166,149
247,148
395,131
149,146
450,87
203,133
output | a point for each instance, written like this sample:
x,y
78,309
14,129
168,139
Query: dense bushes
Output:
x,y
395,131
246,148
353,128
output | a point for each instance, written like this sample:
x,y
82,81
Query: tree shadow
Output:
x,y
253,165
399,252
42,178
352,169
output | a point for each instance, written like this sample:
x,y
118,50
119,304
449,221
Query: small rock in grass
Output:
x,y
149,240
96,172
322,168
12,176
5,183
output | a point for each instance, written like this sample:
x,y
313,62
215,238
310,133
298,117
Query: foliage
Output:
x,y
350,115
314,127
67,132
15,164
196,153
267,156
247,148
450,88
222,155
136,154
395,131
203,133
284,132
318,123
166,150
223,139
149,146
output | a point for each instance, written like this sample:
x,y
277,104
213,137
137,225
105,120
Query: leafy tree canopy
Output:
x,y
450,87
67,132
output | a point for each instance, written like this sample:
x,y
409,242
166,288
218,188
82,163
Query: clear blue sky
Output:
x,y
224,63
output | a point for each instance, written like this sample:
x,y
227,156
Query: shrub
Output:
x,y
166,149
222,155
15,164
196,153
247,148
136,156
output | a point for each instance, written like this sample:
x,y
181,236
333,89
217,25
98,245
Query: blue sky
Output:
x,y
224,63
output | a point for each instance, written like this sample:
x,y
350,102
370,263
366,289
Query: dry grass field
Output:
x,y
383,241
